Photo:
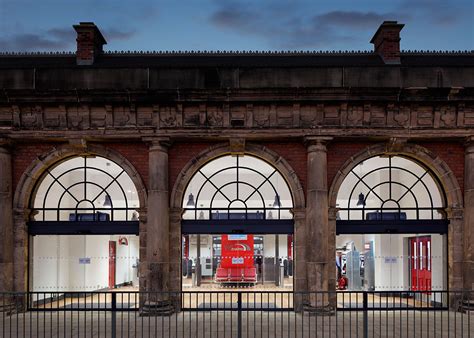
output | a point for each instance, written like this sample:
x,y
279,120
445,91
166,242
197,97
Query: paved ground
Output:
x,y
225,324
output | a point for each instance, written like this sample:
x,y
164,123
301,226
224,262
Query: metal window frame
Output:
x,y
409,190
85,182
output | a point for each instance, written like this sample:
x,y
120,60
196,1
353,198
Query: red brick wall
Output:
x,y
24,155
339,153
453,154
295,154
137,154
179,155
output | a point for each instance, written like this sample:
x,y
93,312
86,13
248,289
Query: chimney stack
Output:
x,y
90,42
386,41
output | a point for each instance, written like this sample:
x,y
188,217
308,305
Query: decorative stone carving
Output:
x,y
308,118
98,117
145,116
31,117
167,117
448,116
284,116
190,116
236,115
6,118
55,117
215,117
355,114
332,115
261,116
75,120
425,116
401,114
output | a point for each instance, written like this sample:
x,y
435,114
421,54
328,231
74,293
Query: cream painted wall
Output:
x,y
56,265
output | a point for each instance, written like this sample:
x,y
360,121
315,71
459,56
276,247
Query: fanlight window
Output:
x,y
390,188
85,188
237,187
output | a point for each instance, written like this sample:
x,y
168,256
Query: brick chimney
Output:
x,y
386,41
90,42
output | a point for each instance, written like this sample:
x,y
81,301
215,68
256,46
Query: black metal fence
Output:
x,y
237,314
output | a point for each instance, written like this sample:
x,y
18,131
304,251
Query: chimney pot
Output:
x,y
90,42
386,41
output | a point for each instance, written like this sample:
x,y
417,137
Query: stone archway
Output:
x,y
26,188
448,182
279,163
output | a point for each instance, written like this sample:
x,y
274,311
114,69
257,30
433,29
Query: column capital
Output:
x,y
158,143
5,144
333,213
317,143
469,144
455,213
298,214
176,214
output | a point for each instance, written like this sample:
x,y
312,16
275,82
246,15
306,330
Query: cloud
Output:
x,y
350,19
55,39
285,28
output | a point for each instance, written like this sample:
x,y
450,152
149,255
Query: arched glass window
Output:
x,y
237,187
85,188
390,188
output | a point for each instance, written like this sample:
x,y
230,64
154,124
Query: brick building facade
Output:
x,y
163,114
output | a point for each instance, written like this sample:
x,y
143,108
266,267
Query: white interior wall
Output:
x,y
56,264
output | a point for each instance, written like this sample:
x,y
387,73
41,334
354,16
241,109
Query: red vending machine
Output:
x,y
237,260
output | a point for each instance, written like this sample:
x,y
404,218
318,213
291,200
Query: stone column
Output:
x,y
468,232
175,274
6,218
157,232
299,258
6,227
318,258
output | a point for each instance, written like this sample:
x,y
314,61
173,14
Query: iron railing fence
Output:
x,y
235,313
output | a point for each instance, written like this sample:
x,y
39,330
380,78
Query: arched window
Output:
x,y
391,188
240,187
85,188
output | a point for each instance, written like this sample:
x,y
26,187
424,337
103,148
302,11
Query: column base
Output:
x,y
323,310
157,308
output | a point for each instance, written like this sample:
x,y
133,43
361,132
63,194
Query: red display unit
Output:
x,y
237,260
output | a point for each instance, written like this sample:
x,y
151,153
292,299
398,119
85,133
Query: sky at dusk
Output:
x,y
46,25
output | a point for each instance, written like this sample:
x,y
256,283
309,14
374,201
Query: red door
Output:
x,y
112,255
420,248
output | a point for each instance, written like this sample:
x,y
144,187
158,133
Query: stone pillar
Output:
x,y
299,258
318,258
468,230
175,257
6,218
157,232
